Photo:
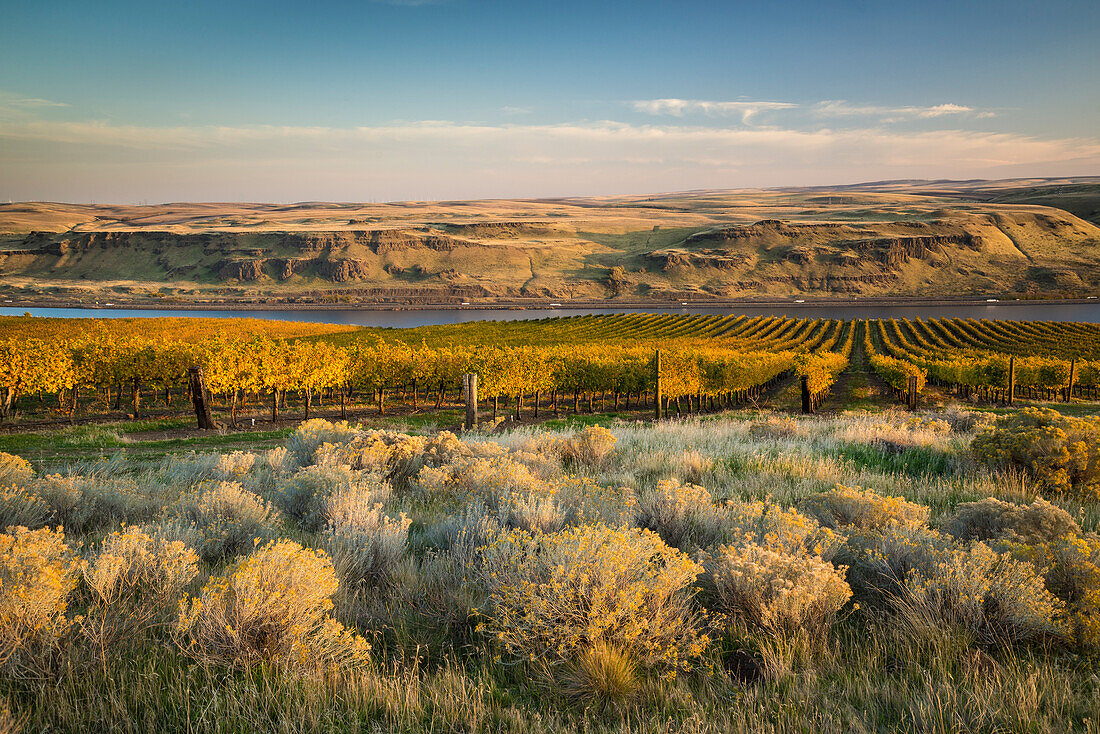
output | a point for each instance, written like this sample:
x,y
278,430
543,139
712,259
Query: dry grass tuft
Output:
x,y
600,675
365,543
682,514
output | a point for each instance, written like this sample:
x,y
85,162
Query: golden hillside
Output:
x,y
903,239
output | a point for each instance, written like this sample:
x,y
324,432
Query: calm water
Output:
x,y
1023,310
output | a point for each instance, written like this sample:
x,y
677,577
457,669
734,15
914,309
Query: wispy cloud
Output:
x,y
841,108
32,102
680,107
15,101
608,138
54,159
835,108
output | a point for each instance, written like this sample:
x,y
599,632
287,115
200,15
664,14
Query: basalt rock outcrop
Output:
x,y
673,259
505,230
242,270
895,251
341,271
765,228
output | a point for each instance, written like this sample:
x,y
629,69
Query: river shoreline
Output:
x,y
545,304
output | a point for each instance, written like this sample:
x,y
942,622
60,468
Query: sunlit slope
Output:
x,y
913,239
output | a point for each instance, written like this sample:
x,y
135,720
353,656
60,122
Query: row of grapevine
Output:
x,y
962,355
760,333
238,367
820,369
896,372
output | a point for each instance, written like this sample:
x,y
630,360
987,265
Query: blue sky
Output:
x,y
367,101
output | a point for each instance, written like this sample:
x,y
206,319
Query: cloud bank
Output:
x,y
74,160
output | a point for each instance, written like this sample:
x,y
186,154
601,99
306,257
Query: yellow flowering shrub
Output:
x,y
487,478
776,591
854,507
365,543
228,517
397,456
134,581
933,424
880,561
590,447
273,605
682,514
81,504
20,506
1071,567
777,528
14,469
38,573
310,435
998,598
235,465
505,486
1061,453
556,595
992,518
371,450
301,496
133,565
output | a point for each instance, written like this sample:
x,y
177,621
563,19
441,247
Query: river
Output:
x,y
1010,310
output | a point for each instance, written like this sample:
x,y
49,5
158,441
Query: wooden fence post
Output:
x,y
200,398
469,393
657,386
1011,379
912,392
136,397
1072,378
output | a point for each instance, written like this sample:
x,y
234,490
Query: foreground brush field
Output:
x,y
747,571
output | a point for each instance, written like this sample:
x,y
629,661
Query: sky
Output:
x,y
118,101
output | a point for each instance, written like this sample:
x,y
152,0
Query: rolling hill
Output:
x,y
914,239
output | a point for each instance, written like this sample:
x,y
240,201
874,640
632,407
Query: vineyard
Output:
x,y
994,360
70,369
708,363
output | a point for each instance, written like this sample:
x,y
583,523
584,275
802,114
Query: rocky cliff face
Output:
x,y
677,259
895,251
942,251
